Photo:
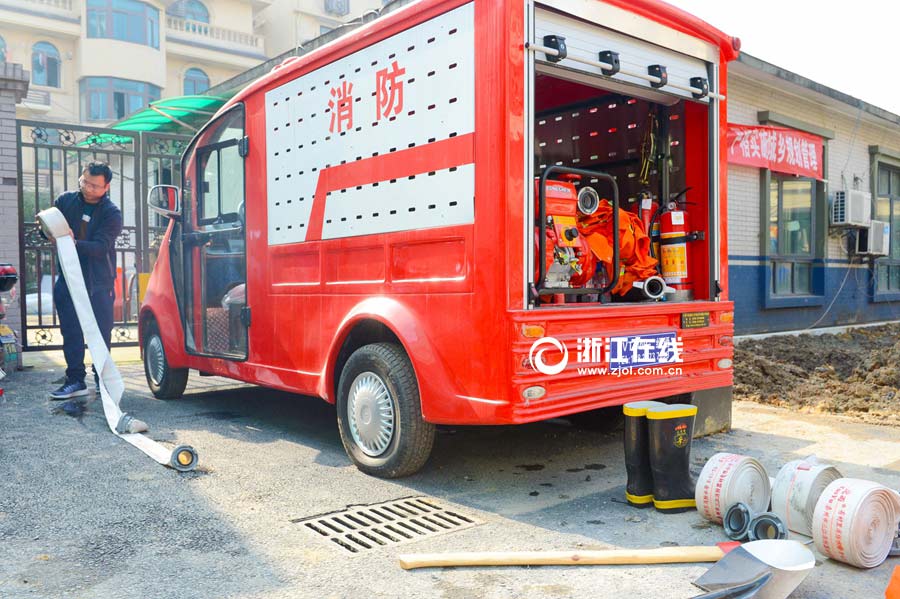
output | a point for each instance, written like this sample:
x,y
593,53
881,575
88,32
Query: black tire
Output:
x,y
164,382
383,371
602,420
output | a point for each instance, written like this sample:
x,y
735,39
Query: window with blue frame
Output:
x,y
109,98
189,10
791,234
45,65
125,20
195,82
887,209
2,50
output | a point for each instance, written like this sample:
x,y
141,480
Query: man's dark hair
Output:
x,y
98,168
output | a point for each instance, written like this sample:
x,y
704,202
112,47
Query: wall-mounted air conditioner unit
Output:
x,y
874,240
851,208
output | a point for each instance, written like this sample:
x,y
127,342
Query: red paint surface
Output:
x,y
462,330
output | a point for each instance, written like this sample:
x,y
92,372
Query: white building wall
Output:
x,y
848,153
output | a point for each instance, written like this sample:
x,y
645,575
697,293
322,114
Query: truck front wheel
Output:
x,y
164,381
379,413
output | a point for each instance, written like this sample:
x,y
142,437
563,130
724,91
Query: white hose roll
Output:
x,y
112,387
730,478
796,491
855,521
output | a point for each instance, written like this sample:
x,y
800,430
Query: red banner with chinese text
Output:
x,y
782,150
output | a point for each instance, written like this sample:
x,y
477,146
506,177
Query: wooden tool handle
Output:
x,y
663,555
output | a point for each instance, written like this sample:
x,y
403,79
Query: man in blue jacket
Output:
x,y
96,223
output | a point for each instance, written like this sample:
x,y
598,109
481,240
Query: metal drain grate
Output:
x,y
362,528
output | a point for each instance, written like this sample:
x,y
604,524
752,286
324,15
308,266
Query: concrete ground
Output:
x,y
85,515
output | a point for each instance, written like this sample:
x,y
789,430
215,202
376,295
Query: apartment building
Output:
x,y
286,24
96,61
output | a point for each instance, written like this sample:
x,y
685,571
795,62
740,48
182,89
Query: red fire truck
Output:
x,y
465,212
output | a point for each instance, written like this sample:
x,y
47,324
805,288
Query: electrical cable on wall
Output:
x,y
837,293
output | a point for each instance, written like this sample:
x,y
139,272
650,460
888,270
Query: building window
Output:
x,y
792,234
323,29
195,82
338,8
887,209
2,50
108,98
189,10
125,20
45,65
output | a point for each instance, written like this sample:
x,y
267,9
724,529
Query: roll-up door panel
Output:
x,y
587,40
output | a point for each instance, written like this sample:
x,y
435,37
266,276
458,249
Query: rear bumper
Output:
x,y
706,364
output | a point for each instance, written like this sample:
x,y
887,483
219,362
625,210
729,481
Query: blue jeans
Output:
x,y
73,339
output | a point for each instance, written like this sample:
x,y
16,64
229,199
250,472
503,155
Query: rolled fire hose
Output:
x,y
730,478
112,387
855,521
796,491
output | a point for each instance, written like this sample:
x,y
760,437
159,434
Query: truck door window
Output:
x,y
221,170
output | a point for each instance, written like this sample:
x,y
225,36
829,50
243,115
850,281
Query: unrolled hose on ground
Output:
x,y
112,387
855,521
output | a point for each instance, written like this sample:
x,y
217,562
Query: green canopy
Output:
x,y
181,114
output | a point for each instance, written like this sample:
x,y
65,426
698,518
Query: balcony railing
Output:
x,y
204,33
51,8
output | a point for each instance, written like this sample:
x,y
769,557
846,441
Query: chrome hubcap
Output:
x,y
156,359
370,414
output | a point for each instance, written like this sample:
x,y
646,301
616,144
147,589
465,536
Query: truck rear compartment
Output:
x,y
657,152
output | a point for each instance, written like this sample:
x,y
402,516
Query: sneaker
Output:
x,y
69,390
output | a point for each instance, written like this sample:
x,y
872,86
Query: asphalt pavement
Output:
x,y
85,515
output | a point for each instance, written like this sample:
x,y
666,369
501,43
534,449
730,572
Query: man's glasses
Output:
x,y
87,185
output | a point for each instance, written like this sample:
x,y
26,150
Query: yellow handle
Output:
x,y
663,555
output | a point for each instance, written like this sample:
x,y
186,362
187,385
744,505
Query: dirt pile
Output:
x,y
856,373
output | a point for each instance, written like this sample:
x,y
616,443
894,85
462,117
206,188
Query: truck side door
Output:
x,y
214,300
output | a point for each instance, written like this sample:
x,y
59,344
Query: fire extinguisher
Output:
x,y
647,212
673,239
673,247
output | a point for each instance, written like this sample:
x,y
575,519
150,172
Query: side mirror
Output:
x,y
163,199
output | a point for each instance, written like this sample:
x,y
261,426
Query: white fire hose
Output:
x,y
728,479
183,457
855,522
797,489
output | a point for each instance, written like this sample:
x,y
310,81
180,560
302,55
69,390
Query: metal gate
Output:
x,y
50,160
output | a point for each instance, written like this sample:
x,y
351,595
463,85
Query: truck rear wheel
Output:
x,y
379,413
164,381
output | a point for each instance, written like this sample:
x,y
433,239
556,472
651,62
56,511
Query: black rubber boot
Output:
x,y
639,489
671,428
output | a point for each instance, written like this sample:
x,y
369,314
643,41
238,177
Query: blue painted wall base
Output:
x,y
856,303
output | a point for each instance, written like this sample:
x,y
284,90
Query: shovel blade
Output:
x,y
789,562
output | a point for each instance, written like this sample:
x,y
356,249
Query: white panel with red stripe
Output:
x,y
352,120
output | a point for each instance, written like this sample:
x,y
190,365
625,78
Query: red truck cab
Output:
x,y
464,212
